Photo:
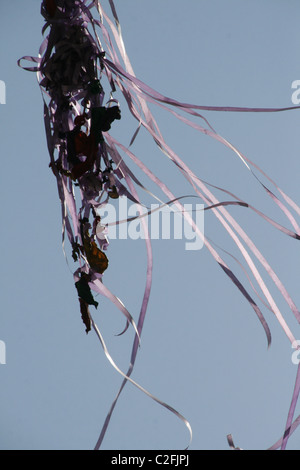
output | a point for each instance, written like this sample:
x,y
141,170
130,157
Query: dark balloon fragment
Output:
x,y
101,120
97,259
51,7
84,291
85,314
85,298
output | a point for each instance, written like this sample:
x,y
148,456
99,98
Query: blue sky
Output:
x,y
203,350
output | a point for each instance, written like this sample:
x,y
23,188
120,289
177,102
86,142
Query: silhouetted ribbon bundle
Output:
x,y
88,166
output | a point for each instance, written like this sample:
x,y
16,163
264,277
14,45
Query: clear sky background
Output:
x,y
203,350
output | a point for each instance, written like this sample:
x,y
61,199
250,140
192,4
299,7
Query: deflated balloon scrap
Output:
x,y
113,193
85,299
97,259
85,314
101,120
51,7
84,291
